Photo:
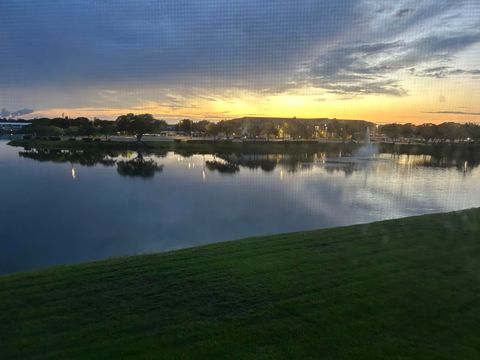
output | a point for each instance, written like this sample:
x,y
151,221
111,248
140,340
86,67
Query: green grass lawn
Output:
x,y
401,289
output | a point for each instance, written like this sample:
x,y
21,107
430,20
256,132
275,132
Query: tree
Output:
x,y
353,130
123,122
42,130
269,129
104,127
60,122
408,130
137,125
86,130
228,128
426,132
213,130
452,131
73,131
473,131
337,127
142,124
159,126
79,121
255,128
41,122
201,126
185,125
392,131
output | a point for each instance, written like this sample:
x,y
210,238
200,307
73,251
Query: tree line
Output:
x,y
446,132
253,128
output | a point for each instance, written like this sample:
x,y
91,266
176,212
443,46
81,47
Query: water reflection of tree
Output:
x,y
268,162
85,158
297,162
264,162
444,156
461,157
138,167
347,169
222,167
446,163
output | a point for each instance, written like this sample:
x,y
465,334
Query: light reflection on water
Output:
x,y
63,207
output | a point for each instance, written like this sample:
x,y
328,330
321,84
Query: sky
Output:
x,y
384,61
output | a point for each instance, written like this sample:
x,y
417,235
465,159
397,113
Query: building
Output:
x,y
12,125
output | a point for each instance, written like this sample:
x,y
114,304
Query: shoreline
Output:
x,y
180,144
259,237
466,151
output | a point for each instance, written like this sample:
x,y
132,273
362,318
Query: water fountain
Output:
x,y
361,157
368,150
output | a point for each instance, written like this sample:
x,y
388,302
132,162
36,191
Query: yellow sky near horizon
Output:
x,y
422,104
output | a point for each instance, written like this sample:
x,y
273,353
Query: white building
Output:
x,y
12,125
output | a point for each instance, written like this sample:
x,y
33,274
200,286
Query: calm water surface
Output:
x,y
60,207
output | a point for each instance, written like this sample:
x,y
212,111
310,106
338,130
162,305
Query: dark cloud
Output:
x,y
350,47
5,113
348,71
454,113
368,68
428,49
403,12
384,87
241,43
444,45
440,72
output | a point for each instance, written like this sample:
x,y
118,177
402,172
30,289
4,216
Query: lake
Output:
x,y
61,207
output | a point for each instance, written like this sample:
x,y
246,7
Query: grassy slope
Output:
x,y
399,289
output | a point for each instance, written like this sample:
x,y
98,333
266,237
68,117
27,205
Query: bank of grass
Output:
x,y
401,289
